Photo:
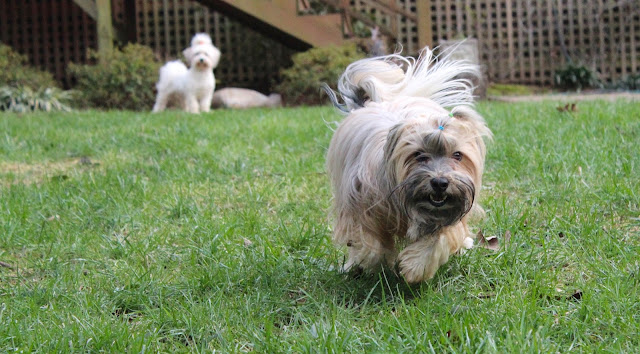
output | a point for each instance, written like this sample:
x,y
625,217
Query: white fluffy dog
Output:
x,y
192,89
405,171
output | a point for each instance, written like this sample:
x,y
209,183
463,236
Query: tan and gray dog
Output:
x,y
406,163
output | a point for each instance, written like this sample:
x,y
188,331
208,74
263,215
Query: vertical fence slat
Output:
x,y
54,31
531,49
438,16
571,28
35,54
178,26
146,28
632,44
520,30
479,33
197,21
601,54
489,36
592,40
448,32
64,34
616,40
510,46
216,21
580,41
458,20
501,50
46,35
623,33
611,52
468,20
542,50
4,35
552,47
156,27
77,52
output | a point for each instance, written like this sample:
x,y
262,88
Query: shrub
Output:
x,y
124,80
301,82
15,71
23,99
575,77
631,82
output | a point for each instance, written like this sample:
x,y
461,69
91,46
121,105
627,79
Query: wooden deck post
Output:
x,y
425,34
105,29
88,6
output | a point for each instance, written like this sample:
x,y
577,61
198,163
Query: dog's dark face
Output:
x,y
434,172
435,194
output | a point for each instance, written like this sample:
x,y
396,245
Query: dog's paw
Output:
x,y
420,260
467,244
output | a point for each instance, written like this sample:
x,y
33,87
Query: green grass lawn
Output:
x,y
124,231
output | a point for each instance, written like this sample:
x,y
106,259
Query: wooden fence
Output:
x,y
520,41
525,41
51,33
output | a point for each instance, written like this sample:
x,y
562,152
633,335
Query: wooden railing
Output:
x,y
403,22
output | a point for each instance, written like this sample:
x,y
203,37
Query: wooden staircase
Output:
x,y
281,17
284,19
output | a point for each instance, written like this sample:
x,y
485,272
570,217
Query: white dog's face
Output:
x,y
202,54
202,57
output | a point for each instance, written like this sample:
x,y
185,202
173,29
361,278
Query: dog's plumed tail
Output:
x,y
381,79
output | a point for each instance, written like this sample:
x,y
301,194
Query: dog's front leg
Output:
x,y
205,102
420,260
161,102
367,252
191,104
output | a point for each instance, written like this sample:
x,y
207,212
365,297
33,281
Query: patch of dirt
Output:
x,y
30,173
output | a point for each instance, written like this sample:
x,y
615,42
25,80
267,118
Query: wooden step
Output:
x,y
313,30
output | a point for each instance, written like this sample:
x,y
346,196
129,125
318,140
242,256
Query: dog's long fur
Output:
x,y
406,171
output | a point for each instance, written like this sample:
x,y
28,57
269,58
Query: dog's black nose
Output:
x,y
439,184
201,60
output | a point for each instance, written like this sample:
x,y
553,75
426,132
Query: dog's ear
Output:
x,y
214,54
473,119
476,124
389,149
392,140
188,53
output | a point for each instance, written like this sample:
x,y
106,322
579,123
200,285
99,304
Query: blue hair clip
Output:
x,y
441,127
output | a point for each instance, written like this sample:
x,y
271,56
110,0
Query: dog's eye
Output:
x,y
457,156
420,157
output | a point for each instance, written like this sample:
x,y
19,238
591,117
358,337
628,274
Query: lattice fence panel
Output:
x,y
51,33
525,41
408,29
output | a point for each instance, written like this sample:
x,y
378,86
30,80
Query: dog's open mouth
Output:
x,y
437,200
